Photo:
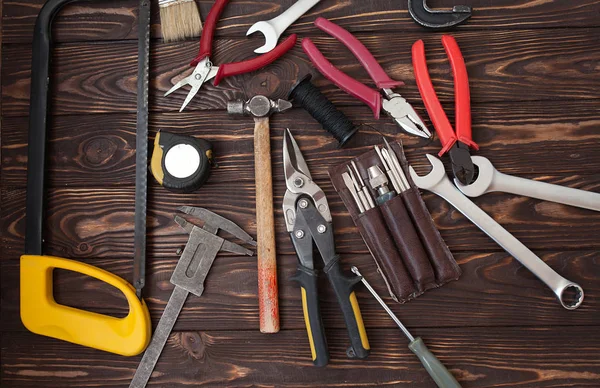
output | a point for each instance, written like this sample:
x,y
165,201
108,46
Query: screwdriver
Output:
x,y
438,372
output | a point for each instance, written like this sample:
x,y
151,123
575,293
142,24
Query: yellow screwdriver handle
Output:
x,y
41,314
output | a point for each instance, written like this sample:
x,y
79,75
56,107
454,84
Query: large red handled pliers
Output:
x,y
392,103
204,69
456,144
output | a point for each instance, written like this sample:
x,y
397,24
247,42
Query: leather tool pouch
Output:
x,y
400,234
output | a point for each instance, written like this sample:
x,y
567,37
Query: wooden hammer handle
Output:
x,y
268,302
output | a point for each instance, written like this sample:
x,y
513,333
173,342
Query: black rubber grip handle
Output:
x,y
307,279
343,286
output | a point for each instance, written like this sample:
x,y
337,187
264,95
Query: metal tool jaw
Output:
x,y
309,226
403,114
299,183
203,247
203,72
218,222
462,163
307,215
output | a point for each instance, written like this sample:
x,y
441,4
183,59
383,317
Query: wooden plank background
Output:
x,y
534,69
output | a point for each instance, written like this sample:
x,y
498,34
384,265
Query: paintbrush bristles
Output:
x,y
179,20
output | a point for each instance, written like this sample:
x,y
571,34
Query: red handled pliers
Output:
x,y
392,103
205,70
456,144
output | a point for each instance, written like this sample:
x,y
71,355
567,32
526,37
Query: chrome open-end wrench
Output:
x,y
438,182
272,29
490,179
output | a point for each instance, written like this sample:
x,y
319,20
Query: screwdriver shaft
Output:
x,y
370,203
396,163
385,306
438,372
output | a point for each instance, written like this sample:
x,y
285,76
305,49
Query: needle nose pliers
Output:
x,y
205,70
392,103
308,221
456,144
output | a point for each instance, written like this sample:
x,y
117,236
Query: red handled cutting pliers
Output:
x,y
392,103
456,144
204,69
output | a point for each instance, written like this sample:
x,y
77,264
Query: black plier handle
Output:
x,y
310,226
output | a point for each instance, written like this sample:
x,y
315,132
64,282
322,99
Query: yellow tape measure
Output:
x,y
181,163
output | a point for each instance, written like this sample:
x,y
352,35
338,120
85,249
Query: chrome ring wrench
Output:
x,y
438,182
490,179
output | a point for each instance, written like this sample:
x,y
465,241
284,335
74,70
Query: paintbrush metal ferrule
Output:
x,y
168,2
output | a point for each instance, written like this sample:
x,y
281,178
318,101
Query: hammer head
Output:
x,y
257,106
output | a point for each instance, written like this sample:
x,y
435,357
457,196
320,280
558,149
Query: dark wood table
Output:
x,y
534,71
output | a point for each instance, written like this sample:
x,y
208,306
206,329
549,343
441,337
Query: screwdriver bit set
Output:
x,y
394,222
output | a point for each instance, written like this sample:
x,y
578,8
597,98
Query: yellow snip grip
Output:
x,y
359,321
308,327
41,314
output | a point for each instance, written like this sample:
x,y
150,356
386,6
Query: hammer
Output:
x,y
261,107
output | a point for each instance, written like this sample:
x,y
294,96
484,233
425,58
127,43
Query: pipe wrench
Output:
x,y
569,294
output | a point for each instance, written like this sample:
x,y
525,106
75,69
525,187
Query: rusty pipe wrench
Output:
x,y
438,182
489,180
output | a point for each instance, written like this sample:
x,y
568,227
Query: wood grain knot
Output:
x,y
193,344
265,83
99,150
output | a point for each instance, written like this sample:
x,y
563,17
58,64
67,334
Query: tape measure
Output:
x,y
180,163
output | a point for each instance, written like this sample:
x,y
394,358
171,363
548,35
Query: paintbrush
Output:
x,y
179,19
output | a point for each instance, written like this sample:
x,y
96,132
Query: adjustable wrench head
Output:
x,y
435,176
270,33
484,179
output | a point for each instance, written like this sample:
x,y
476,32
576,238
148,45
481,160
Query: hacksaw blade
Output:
x,y
141,148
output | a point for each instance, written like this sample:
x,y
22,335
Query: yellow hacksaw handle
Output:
x,y
41,314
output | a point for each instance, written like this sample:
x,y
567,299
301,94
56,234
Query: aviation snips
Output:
x,y
308,220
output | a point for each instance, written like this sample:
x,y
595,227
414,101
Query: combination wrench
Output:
x,y
438,182
490,179
272,29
